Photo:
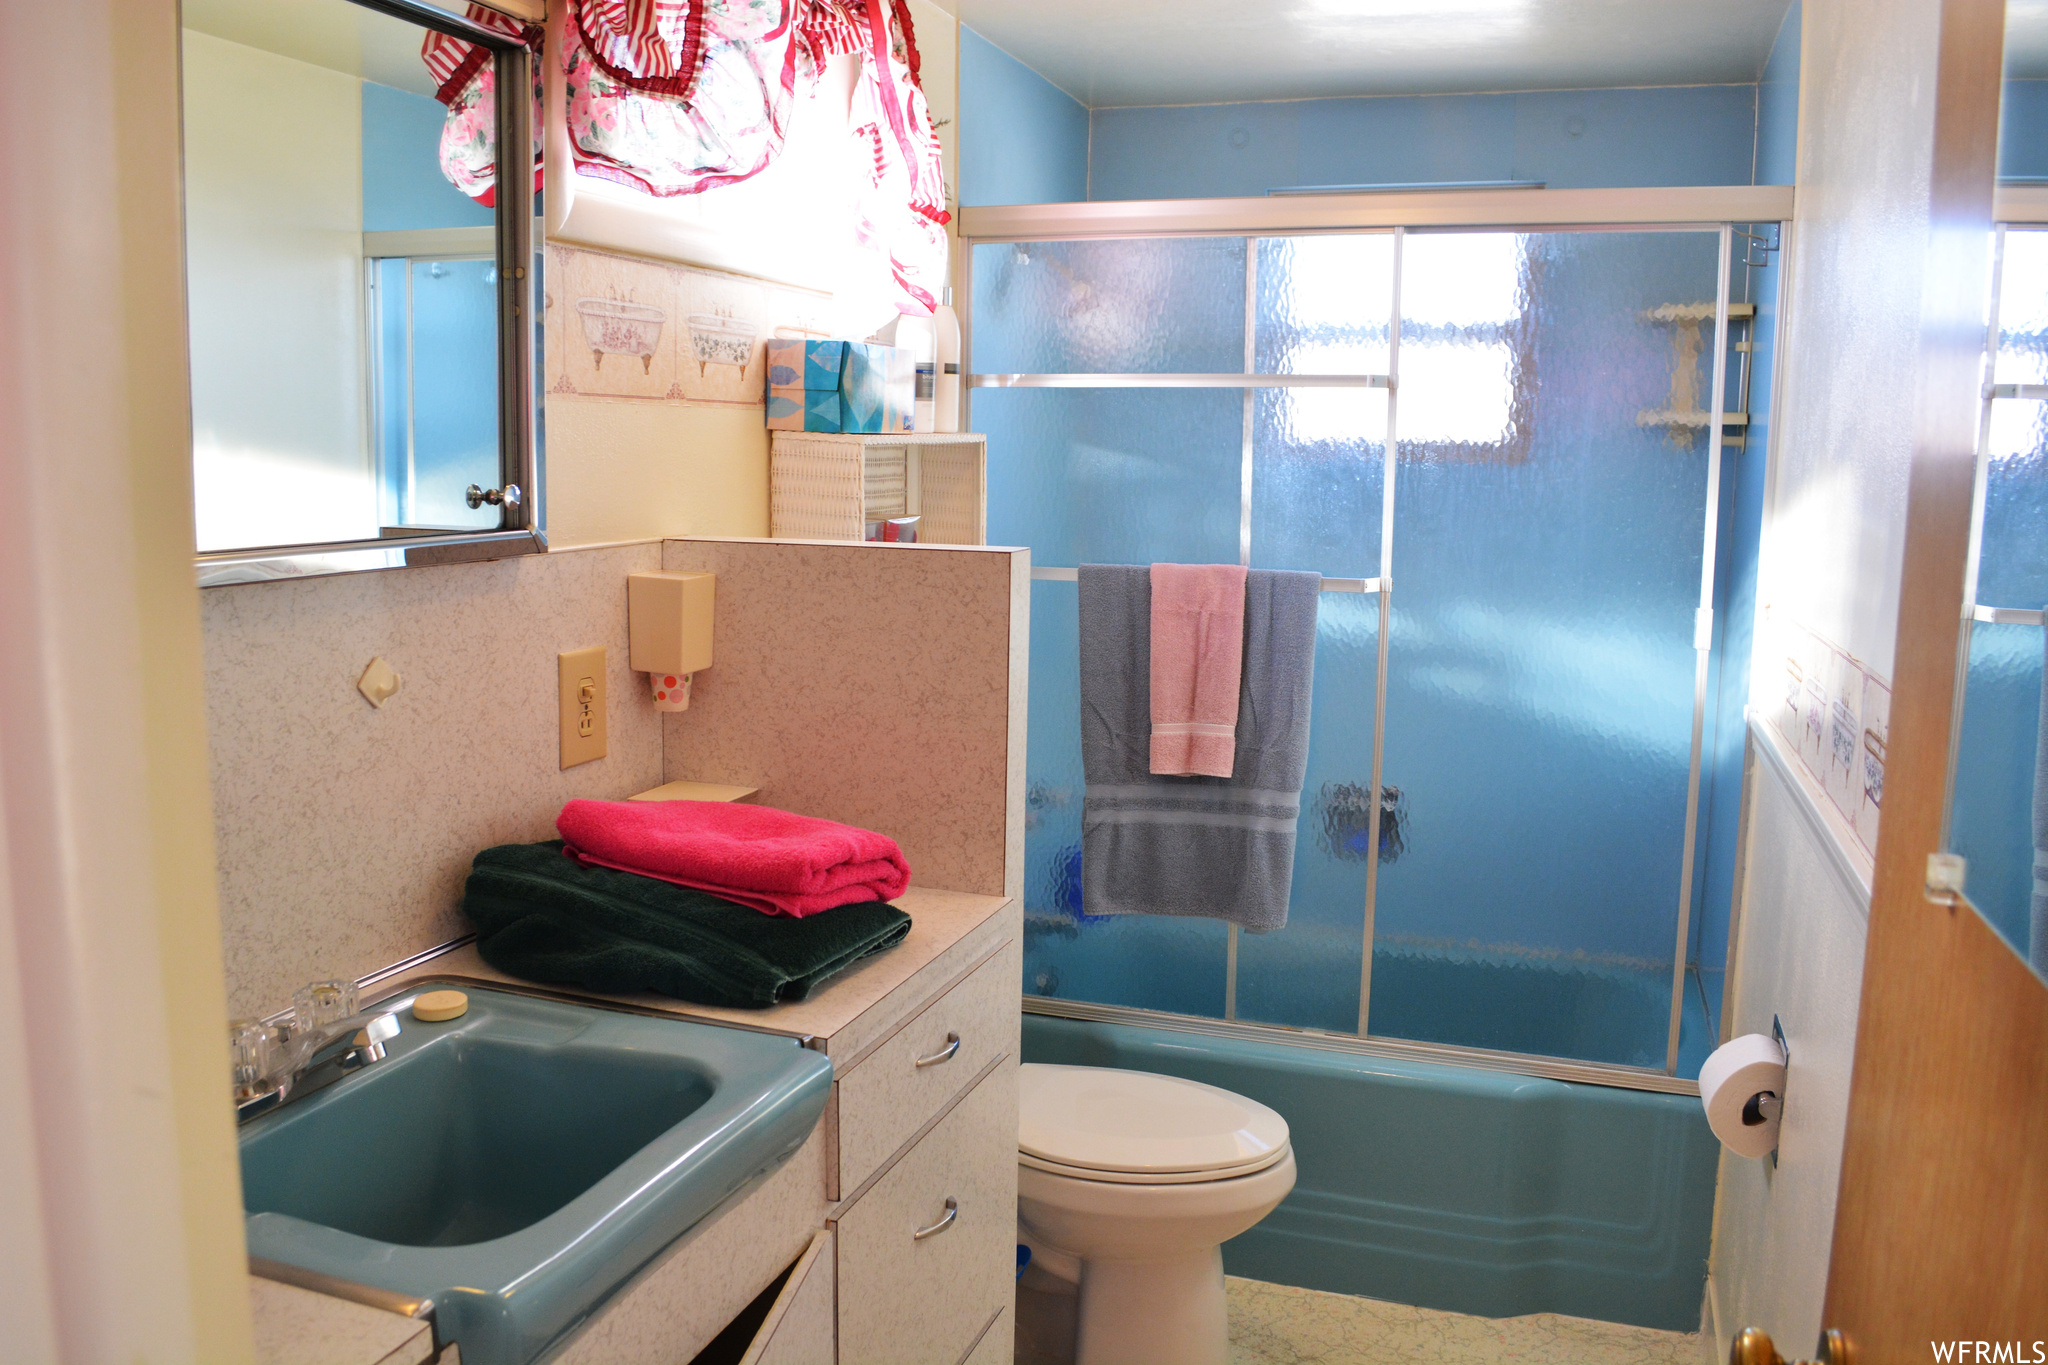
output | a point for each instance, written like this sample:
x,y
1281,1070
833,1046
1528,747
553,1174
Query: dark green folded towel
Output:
x,y
542,916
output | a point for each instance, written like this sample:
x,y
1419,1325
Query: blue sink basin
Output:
x,y
520,1163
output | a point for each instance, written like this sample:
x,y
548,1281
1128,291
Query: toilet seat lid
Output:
x,y
1101,1119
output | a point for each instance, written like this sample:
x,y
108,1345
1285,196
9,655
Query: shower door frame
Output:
x,y
1695,209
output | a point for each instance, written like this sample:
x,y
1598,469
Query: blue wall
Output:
x,y
402,182
1688,135
1471,1191
1023,140
1777,106
2023,130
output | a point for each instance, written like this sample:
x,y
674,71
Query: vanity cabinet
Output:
x,y
927,1222
897,1219
927,1255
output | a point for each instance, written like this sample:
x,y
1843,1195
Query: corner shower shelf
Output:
x,y
1697,418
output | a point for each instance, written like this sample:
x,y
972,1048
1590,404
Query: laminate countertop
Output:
x,y
951,932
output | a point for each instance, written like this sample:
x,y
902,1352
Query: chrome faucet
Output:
x,y
277,1064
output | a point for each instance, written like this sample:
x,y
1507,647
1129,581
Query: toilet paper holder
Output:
x,y
1762,1108
1742,1089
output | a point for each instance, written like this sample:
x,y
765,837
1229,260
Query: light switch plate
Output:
x,y
581,673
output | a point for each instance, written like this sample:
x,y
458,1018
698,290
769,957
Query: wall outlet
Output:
x,y
581,673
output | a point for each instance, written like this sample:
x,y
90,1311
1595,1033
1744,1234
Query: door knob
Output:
x,y
1753,1347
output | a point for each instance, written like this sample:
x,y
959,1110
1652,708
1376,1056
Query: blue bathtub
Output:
x,y
1451,1187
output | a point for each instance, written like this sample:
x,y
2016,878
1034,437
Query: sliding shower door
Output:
x,y
1551,494
1512,876
1106,475
1324,306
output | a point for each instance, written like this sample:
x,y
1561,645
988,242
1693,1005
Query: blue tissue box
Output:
x,y
855,386
803,384
799,364
876,388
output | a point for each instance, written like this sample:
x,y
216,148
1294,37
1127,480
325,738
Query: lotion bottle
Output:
x,y
918,336
946,366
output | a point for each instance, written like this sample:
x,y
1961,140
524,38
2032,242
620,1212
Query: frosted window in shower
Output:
x,y
1325,305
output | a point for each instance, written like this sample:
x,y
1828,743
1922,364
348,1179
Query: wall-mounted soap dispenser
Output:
x,y
668,620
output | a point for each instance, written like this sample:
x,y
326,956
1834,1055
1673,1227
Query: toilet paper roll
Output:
x,y
1738,1071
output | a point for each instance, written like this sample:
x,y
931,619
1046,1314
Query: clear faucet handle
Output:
x,y
252,1044
319,1005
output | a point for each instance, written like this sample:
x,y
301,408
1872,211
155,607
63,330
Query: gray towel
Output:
x,y
2037,947
1221,847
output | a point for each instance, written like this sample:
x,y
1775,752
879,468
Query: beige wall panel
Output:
x,y
345,831
869,684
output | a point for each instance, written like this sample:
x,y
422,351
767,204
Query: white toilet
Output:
x,y
1129,1183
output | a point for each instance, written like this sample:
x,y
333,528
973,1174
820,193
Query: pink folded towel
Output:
x,y
1197,660
775,861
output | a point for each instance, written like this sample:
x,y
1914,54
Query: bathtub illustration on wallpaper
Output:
x,y
620,327
716,339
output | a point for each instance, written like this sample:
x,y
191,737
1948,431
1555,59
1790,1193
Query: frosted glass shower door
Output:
x,y
1325,306
1990,812
1546,561
1106,476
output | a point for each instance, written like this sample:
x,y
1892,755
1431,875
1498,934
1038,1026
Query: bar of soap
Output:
x,y
435,1006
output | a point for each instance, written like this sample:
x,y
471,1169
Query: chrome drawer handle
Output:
x,y
944,1054
952,1212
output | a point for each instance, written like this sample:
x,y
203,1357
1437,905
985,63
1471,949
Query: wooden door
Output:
x,y
1941,1228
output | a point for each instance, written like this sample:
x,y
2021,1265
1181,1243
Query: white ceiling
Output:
x,y
331,33
1135,52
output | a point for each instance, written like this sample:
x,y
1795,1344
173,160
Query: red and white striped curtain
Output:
x,y
675,97
465,81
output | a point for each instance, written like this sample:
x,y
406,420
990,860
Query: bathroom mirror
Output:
x,y
1998,802
360,327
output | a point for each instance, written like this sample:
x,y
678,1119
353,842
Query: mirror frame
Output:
x,y
519,532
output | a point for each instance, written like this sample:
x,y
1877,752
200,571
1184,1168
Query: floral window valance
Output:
x,y
465,81
675,97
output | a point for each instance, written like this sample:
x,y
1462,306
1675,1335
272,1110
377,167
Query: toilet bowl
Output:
x,y
1136,1180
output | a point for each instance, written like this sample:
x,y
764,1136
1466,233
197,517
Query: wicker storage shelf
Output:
x,y
825,486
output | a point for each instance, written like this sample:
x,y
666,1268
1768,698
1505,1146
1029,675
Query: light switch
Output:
x,y
581,673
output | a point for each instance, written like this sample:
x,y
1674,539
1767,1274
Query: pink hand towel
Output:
x,y
773,860
1197,661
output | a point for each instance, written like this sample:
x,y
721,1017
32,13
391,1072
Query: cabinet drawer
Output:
x,y
888,1096
910,1300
